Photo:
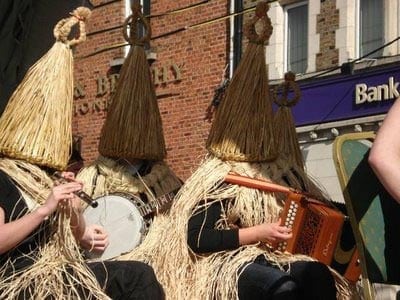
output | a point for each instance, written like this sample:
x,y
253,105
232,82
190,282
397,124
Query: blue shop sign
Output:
x,y
369,92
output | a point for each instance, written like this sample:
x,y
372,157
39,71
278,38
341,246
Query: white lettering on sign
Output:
x,y
365,93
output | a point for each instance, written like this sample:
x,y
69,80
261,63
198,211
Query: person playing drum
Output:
x,y
130,177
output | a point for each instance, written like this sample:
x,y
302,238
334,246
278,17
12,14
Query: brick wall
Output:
x,y
199,53
327,24
88,118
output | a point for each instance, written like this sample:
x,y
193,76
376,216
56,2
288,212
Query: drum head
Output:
x,y
122,221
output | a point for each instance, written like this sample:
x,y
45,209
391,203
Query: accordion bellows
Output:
x,y
316,227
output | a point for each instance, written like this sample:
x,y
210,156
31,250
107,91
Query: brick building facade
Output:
x,y
188,65
187,69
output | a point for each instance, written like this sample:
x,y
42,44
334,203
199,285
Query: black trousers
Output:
x,y
304,280
121,280
127,280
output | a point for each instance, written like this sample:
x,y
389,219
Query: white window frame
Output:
x,y
358,28
285,46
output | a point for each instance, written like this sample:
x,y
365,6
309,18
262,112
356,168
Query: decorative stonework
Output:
x,y
327,24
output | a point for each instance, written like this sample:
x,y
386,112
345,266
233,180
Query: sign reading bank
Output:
x,y
366,93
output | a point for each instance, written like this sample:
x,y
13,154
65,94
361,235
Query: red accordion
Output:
x,y
316,226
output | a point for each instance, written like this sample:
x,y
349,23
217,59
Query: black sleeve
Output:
x,y
202,235
9,199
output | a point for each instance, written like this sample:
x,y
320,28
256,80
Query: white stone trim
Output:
x,y
275,48
329,131
347,33
314,9
391,10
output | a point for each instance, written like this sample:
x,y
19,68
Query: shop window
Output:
x,y
296,21
371,28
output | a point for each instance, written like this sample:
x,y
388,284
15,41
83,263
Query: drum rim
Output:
x,y
121,196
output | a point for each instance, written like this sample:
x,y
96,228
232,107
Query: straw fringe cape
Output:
x,y
185,275
58,268
106,176
35,129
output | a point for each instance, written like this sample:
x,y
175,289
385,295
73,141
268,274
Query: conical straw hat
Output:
x,y
133,127
243,125
285,128
36,123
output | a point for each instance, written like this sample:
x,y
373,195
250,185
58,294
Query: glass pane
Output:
x,y
371,27
297,38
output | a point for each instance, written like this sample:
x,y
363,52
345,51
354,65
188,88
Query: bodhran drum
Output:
x,y
120,216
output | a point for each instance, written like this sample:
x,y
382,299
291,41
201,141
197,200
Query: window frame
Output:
x,y
286,34
358,41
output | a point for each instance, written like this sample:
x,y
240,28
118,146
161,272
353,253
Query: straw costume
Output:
x,y
241,141
284,123
132,144
35,139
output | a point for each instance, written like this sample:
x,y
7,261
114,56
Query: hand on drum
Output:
x,y
95,238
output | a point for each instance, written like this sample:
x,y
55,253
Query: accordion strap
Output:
x,y
270,186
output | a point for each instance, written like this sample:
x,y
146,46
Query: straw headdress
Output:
x,y
133,128
284,123
41,132
243,125
36,124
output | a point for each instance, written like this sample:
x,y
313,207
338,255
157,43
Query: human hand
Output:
x,y
62,193
273,232
70,176
95,238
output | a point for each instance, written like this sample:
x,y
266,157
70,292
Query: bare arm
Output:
x,y
12,233
92,237
266,232
384,157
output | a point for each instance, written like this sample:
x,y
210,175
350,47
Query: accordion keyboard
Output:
x,y
316,228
